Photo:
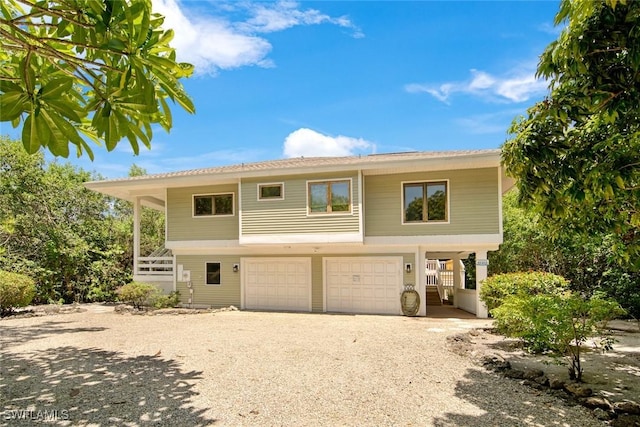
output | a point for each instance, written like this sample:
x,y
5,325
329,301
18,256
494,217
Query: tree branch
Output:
x,y
55,12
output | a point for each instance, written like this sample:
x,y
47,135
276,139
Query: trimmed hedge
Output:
x,y
16,290
496,288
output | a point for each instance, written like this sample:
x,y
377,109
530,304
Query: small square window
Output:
x,y
270,191
213,273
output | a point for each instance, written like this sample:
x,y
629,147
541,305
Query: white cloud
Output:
x,y
268,17
212,43
517,86
489,123
309,143
519,89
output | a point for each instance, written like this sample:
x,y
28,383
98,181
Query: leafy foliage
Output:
x,y
16,290
136,293
101,69
75,243
159,300
559,323
576,155
496,289
589,263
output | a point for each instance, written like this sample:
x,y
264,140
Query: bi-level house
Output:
x,y
330,234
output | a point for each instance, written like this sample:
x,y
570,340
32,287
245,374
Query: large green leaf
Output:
x,y
12,105
72,83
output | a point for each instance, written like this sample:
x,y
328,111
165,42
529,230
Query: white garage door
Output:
x,y
363,285
277,283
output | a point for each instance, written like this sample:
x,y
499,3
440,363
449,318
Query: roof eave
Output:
x,y
128,189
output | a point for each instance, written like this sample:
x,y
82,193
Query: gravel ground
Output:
x,y
246,368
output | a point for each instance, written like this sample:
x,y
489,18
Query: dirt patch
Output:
x,y
45,310
613,375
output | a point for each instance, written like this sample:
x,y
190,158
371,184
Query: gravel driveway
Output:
x,y
248,368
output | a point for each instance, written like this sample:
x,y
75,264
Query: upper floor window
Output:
x,y
330,196
425,202
213,204
271,191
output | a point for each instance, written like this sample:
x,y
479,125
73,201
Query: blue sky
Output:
x,y
285,79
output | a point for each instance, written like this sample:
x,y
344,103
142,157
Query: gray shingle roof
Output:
x,y
370,160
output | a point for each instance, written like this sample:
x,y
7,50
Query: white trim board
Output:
x,y
295,238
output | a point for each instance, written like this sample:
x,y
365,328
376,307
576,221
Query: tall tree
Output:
x,y
97,68
587,261
576,154
55,230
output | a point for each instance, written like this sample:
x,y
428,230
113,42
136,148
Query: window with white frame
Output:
x,y
213,273
425,202
271,191
329,196
213,204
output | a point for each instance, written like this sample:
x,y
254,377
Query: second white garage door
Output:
x,y
277,283
363,284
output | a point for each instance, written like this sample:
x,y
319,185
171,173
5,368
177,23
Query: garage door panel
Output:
x,y
277,283
364,284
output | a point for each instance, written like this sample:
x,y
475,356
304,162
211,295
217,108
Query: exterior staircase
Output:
x,y
433,298
440,281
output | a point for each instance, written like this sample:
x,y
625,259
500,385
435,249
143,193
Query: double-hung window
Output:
x,y
213,204
329,197
425,202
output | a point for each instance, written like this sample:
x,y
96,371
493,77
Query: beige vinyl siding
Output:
x,y
473,198
289,216
181,225
223,295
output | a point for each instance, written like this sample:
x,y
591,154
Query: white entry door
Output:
x,y
277,283
363,284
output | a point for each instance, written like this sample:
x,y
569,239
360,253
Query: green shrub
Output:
x,y
496,288
105,277
165,301
136,293
556,323
16,290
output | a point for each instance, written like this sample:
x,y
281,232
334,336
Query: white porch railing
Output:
x,y
440,276
155,266
159,264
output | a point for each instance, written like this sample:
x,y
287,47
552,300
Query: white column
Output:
x,y
456,279
481,274
136,234
420,285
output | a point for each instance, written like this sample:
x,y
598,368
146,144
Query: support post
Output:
x,y
481,274
421,281
136,234
456,279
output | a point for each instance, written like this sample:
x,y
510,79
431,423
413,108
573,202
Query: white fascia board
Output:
x,y
275,239
176,245
298,250
442,243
